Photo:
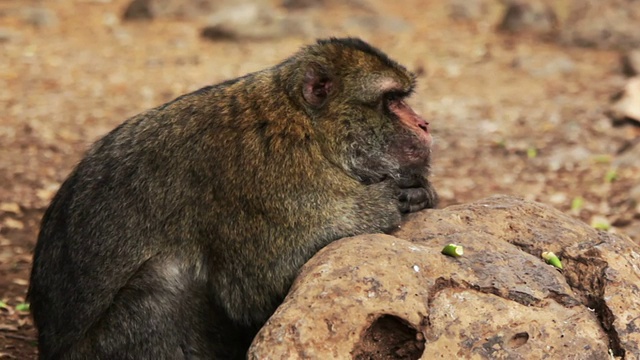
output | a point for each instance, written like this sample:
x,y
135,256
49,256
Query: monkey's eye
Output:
x,y
392,99
394,96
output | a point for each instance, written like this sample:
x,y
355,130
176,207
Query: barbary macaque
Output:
x,y
181,231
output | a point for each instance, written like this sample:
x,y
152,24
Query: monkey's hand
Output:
x,y
416,193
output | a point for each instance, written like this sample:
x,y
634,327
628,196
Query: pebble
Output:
x,y
631,63
40,17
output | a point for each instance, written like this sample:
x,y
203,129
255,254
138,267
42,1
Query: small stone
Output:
x,y
175,9
631,63
558,198
629,158
138,10
377,23
532,17
10,207
40,17
357,5
255,22
627,104
468,9
610,24
13,224
302,4
8,35
634,194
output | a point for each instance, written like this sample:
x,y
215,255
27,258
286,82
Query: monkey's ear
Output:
x,y
317,86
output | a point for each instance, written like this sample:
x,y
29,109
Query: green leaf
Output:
x,y
532,152
22,307
601,224
3,305
611,176
602,159
577,203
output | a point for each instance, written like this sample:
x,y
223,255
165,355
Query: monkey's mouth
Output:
x,y
412,150
419,154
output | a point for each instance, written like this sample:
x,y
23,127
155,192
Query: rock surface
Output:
x,y
398,297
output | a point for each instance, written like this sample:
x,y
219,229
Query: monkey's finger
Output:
x,y
432,197
406,207
413,195
418,207
410,182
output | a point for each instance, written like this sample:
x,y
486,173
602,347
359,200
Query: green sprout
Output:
x,y
601,224
602,159
577,203
611,176
22,307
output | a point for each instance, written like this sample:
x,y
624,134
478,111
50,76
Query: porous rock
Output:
x,y
398,297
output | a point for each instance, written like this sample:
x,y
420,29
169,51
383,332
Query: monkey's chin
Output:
x,y
418,156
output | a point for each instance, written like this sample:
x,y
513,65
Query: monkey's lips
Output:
x,y
418,155
413,149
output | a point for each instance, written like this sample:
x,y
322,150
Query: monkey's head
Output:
x,y
356,98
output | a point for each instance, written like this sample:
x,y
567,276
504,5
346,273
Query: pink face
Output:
x,y
413,121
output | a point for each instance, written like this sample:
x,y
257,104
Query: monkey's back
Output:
x,y
211,167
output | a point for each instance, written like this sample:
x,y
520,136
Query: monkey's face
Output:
x,y
391,140
358,103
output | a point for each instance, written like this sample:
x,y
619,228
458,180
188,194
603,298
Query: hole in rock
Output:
x,y
519,339
389,338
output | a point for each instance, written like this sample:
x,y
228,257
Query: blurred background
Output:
x,y
539,99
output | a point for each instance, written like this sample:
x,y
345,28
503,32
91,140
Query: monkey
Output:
x,y
181,230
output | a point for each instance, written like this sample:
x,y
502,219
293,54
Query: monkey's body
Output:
x,y
181,231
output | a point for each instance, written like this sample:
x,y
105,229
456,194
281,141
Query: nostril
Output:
x,y
423,126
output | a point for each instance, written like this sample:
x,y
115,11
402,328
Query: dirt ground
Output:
x,y
510,114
